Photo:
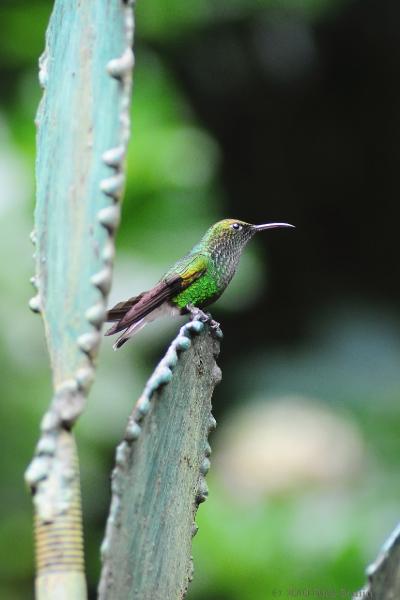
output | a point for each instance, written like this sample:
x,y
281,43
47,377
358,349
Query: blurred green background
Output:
x,y
261,110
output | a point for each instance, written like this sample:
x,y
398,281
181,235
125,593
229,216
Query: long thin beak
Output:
x,y
271,226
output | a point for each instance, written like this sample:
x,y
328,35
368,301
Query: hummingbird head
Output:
x,y
232,235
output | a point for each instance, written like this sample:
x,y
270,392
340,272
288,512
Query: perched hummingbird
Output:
x,y
196,280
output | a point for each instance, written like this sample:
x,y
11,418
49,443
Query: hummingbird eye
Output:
x,y
236,226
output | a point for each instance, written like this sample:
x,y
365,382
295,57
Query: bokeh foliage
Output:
x,y
263,110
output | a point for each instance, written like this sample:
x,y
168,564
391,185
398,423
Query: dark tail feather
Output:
x,y
129,332
117,312
113,329
120,342
128,314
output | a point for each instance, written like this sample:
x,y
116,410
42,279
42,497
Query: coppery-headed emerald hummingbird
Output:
x,y
196,280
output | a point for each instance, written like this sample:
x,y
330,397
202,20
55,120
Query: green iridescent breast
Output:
x,y
201,292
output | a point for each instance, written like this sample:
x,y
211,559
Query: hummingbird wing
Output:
x,y
174,281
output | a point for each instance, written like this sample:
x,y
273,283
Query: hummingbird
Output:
x,y
195,281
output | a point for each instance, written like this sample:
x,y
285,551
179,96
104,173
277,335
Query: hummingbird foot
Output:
x,y
199,315
214,324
